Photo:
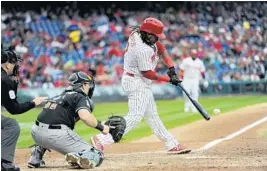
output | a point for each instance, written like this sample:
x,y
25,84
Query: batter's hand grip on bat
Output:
x,y
196,104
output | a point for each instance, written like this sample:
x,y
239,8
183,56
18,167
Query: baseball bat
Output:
x,y
200,109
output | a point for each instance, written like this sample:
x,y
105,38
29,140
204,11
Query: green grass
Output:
x,y
170,111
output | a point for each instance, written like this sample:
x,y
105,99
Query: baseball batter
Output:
x,y
192,69
142,54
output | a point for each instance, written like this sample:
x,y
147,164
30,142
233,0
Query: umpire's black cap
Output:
x,y
10,56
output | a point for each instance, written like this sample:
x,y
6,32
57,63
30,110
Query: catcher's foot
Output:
x,y
179,149
36,159
79,162
36,165
97,144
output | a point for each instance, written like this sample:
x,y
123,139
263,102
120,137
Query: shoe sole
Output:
x,y
71,159
83,163
39,165
185,151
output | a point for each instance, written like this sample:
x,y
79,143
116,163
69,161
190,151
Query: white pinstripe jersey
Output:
x,y
139,57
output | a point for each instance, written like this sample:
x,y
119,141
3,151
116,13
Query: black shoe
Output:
x,y
36,159
37,165
10,169
8,166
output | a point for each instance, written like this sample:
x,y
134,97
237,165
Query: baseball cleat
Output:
x,y
36,159
8,166
81,162
97,144
85,163
72,159
179,149
36,165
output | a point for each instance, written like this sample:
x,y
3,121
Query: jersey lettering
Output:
x,y
50,105
12,94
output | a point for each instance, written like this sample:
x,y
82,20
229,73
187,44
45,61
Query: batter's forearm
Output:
x,y
167,59
152,75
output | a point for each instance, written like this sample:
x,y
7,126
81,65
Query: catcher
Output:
x,y
54,126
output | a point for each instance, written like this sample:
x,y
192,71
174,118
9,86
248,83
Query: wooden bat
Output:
x,y
200,109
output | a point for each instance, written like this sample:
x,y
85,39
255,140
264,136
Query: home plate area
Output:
x,y
244,152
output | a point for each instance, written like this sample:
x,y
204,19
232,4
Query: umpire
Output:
x,y
10,129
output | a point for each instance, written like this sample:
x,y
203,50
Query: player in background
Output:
x,y
142,54
191,70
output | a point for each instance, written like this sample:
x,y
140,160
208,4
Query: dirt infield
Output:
x,y
246,152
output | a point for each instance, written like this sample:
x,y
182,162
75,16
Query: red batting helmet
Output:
x,y
153,26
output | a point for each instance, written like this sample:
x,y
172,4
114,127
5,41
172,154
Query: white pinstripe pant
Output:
x,y
141,104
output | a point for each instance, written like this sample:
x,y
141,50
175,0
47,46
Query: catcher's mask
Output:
x,y
77,79
13,58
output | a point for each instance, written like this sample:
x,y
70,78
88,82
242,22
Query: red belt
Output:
x,y
130,74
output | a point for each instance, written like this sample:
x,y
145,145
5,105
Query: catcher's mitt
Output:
x,y
118,125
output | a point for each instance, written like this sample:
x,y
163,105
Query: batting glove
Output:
x,y
171,72
175,81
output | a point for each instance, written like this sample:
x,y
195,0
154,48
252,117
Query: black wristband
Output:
x,y
172,68
32,104
99,126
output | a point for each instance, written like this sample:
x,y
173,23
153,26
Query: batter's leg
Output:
x,y
155,123
137,104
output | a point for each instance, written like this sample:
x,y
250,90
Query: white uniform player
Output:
x,y
141,57
191,70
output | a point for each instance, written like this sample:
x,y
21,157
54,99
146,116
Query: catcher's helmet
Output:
x,y
77,79
153,26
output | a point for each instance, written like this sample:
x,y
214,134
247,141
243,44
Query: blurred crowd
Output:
x,y
231,38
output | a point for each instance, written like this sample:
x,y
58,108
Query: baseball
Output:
x,y
216,111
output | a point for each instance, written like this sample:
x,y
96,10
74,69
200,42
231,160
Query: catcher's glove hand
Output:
x,y
117,127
